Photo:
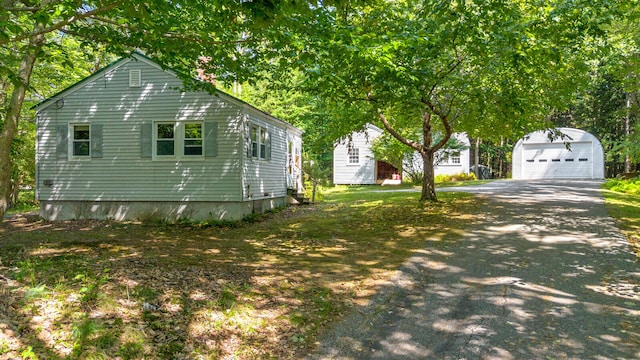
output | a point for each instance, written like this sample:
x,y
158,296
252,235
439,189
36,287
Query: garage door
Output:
x,y
554,161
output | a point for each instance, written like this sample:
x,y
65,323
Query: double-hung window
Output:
x,y
165,139
264,140
80,141
254,140
193,139
184,140
260,143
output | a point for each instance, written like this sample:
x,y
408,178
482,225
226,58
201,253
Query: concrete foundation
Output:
x,y
155,211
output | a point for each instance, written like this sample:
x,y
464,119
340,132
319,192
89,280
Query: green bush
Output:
x,y
628,186
26,202
455,177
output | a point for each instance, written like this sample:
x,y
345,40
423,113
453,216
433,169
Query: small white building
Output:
x,y
354,163
128,143
537,157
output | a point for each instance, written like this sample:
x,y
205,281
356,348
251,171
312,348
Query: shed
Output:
x,y
128,142
578,156
355,164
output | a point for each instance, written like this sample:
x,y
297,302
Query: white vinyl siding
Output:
x,y
456,162
123,172
345,171
266,167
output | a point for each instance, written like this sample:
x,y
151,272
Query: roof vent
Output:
x,y
135,78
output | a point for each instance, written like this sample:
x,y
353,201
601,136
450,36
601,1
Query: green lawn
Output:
x,y
623,204
89,289
26,203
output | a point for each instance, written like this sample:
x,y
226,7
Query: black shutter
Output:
x,y
96,141
146,140
62,141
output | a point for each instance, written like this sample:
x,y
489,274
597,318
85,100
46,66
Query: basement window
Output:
x,y
583,159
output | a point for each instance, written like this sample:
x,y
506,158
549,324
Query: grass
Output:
x,y
89,289
622,198
26,203
462,183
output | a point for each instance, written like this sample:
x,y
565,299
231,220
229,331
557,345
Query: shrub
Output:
x,y
628,186
455,177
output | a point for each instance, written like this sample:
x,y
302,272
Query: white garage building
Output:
x,y
537,157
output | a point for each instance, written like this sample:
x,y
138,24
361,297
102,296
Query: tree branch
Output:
x,y
412,144
444,119
78,16
173,35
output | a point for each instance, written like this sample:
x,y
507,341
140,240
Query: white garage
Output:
x,y
537,157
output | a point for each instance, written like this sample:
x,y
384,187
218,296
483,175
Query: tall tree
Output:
x,y
625,39
177,34
286,97
490,68
609,106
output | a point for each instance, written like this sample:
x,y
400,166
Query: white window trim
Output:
x,y
255,143
178,141
182,126
259,142
72,140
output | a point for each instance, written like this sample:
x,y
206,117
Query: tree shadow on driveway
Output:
x,y
543,274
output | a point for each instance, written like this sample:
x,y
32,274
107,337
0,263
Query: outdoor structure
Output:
x,y
579,156
354,163
129,143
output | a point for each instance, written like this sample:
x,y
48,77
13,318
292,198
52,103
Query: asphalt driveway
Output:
x,y
545,275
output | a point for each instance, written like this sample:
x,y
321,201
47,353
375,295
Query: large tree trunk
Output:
x,y
428,178
426,149
428,154
10,125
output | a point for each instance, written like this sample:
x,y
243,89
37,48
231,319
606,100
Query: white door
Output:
x,y
555,161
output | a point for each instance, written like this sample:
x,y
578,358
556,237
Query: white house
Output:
x,y
127,142
355,164
537,157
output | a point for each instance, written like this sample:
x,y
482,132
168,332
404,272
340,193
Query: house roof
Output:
x,y
572,135
137,56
